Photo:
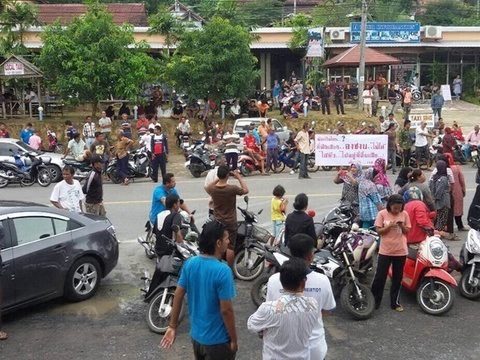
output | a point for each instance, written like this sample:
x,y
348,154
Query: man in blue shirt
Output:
x,y
209,284
160,193
26,133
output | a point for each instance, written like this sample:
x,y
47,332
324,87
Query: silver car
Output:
x,y
49,253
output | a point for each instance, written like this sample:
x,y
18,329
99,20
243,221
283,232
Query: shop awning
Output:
x,y
351,58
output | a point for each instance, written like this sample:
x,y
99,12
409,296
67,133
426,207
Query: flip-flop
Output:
x,y
3,335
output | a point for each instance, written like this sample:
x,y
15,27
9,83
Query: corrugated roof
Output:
x,y
134,14
351,57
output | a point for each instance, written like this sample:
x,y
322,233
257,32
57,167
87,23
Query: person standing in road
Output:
x,y
159,148
3,245
224,198
407,103
437,105
291,311
208,283
324,93
392,224
317,287
89,131
302,141
278,209
105,124
405,142
272,142
232,141
93,189
298,221
421,144
122,146
68,193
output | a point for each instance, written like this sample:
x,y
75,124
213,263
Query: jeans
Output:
x,y
406,157
383,264
272,159
422,152
212,352
339,105
122,167
159,161
437,114
277,227
406,110
303,166
232,160
392,159
467,150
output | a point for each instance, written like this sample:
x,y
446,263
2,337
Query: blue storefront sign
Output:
x,y
387,32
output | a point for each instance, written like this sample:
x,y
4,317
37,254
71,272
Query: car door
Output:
x,y
5,153
7,277
41,251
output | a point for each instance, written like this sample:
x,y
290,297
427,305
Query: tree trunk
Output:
x,y
94,108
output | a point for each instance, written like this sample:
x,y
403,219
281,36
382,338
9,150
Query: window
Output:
x,y
5,242
30,229
60,226
5,149
277,126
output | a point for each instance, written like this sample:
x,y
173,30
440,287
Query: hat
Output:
x,y
158,126
142,130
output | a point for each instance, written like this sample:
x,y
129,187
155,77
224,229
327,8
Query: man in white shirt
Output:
x,y
77,149
302,140
235,110
421,143
287,323
105,124
68,193
89,131
317,286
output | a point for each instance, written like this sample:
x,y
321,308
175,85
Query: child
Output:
x,y
279,207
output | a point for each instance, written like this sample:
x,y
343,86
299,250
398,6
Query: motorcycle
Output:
x,y
426,273
474,156
82,168
470,260
284,160
26,170
247,165
53,144
338,220
249,261
160,298
201,160
138,166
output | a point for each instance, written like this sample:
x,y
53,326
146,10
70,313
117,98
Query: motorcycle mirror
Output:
x,y
261,210
245,199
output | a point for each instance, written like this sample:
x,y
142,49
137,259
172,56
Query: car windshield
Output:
x,y
27,148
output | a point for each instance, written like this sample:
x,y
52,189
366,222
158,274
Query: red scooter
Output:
x,y
247,165
426,273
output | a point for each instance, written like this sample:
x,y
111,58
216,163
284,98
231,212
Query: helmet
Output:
x,y
413,193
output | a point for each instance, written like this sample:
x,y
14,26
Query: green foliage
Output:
x,y
471,81
14,20
261,12
331,13
151,5
448,13
215,62
437,73
90,59
387,10
300,24
164,23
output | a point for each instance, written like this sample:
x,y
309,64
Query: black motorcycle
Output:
x,y
249,260
138,166
26,170
82,168
201,160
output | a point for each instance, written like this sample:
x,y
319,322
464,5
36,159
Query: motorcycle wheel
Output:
x,y
436,301
467,290
158,317
280,167
43,177
196,173
359,309
244,170
3,182
113,176
258,293
417,96
311,167
243,272
27,181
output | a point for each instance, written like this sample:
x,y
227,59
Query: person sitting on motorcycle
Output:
x,y
183,128
472,139
457,132
252,149
165,220
77,149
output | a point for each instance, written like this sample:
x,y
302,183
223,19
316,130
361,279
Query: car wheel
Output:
x,y
55,173
83,279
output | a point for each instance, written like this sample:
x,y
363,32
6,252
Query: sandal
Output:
x,y
3,335
398,308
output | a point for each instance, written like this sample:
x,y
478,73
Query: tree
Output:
x,y
165,24
215,61
448,13
92,58
15,18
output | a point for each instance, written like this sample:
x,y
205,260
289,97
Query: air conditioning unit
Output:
x,y
433,32
337,35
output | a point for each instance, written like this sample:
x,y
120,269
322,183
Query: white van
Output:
x,y
242,125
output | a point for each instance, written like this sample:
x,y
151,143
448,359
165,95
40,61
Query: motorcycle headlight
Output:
x,y
437,249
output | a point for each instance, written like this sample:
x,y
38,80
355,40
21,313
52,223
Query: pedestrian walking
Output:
x,y
93,188
274,320
68,193
89,131
224,198
437,105
159,147
405,143
122,146
272,142
210,288
278,209
392,224
317,286
302,141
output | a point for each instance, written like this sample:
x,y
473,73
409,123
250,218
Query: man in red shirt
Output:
x,y
251,148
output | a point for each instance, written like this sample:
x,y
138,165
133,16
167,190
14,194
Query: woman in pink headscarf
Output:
x,y
458,191
381,180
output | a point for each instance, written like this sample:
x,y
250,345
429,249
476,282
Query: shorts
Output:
x,y
232,236
212,352
95,209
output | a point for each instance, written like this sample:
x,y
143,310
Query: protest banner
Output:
x,y
343,150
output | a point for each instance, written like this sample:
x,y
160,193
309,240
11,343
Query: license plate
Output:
x,y
474,153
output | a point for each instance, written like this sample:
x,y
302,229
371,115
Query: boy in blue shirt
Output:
x,y
208,282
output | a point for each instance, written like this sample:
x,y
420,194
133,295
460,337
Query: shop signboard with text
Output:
x,y
417,119
387,32
344,150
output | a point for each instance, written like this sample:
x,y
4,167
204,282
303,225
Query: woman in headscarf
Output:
x,y
440,189
402,179
458,192
349,178
369,200
417,179
448,141
381,180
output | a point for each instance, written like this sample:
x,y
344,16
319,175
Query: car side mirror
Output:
x,y
261,210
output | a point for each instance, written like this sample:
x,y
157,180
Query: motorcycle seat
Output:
x,y
412,253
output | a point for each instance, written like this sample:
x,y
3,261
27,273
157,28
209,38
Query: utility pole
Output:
x,y
361,65
294,6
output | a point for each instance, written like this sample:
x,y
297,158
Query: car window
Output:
x,y
5,149
30,229
4,240
25,147
61,226
277,125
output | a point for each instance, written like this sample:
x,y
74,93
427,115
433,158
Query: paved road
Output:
x,y
112,325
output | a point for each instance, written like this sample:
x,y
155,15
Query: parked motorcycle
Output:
x,y
470,260
201,160
160,296
249,261
284,160
474,156
82,168
426,273
27,170
247,165
138,166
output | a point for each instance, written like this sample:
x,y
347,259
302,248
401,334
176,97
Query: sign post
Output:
x,y
417,119
14,68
